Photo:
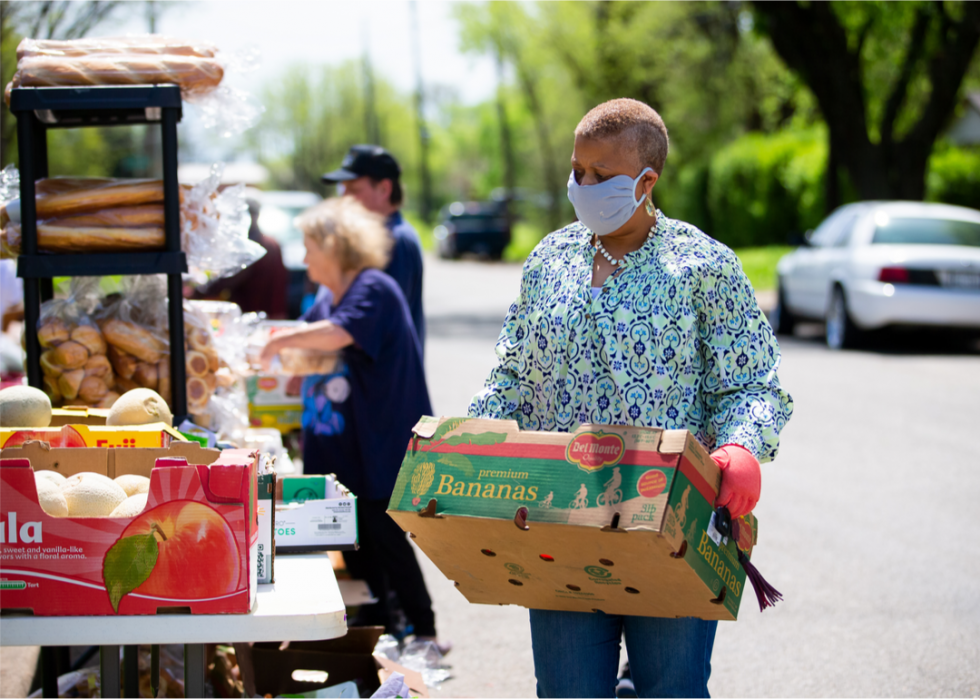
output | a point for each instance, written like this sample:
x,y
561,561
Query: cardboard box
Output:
x,y
157,434
266,554
314,513
610,518
78,415
203,501
275,401
271,669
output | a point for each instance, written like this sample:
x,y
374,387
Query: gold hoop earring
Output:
x,y
651,209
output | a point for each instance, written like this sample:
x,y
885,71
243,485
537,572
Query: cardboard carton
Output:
x,y
273,668
610,518
78,415
266,554
274,400
192,549
314,513
157,434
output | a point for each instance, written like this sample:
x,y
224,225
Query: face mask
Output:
x,y
607,206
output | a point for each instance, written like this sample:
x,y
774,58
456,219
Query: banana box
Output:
x,y
608,518
191,549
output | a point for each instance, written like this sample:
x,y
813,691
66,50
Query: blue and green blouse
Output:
x,y
674,340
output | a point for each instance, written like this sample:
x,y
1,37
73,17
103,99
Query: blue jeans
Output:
x,y
576,654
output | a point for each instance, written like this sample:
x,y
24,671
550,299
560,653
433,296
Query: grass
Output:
x,y
760,264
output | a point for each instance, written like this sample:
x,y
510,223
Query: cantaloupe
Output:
x,y
50,497
131,506
52,476
24,406
92,495
140,406
133,484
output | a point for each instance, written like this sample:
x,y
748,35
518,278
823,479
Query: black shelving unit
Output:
x,y
38,109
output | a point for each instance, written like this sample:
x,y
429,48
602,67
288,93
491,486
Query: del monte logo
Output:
x,y
592,451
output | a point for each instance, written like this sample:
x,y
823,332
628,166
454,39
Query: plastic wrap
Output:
x,y
198,68
290,361
215,229
74,363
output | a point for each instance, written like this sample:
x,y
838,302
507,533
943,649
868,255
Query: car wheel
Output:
x,y
841,333
781,318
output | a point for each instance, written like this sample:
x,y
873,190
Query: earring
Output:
x,y
651,209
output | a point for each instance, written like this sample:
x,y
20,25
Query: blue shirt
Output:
x,y
405,267
357,421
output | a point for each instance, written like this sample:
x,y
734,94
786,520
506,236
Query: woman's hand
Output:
x,y
269,353
741,479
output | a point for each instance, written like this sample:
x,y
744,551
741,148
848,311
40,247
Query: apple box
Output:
x,y
314,513
192,549
157,434
612,518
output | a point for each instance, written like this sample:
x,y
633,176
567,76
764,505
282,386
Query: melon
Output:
x,y
133,484
24,406
50,497
140,406
131,506
92,495
52,476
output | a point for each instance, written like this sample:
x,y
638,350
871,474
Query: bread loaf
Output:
x,y
103,196
146,44
194,74
116,217
70,239
133,339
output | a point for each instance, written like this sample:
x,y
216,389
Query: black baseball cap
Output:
x,y
365,161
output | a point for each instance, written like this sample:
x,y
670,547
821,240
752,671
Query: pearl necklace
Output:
x,y
612,260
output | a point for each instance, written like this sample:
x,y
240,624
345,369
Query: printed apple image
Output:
x,y
68,437
182,549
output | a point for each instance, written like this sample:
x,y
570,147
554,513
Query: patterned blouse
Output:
x,y
674,340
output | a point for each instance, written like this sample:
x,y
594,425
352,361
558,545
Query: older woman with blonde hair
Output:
x,y
358,419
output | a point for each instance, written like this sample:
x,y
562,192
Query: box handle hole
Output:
x,y
573,588
520,518
546,557
632,590
606,562
487,552
515,582
721,597
681,551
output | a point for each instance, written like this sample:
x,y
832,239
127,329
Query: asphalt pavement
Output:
x,y
867,518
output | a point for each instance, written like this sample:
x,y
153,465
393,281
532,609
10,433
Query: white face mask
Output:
x,y
607,206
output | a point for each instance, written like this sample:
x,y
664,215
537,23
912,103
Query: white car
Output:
x,y
872,265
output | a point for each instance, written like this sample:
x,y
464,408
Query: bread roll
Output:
x,y
69,383
98,365
52,333
48,367
214,361
116,217
70,355
211,380
195,75
108,400
90,337
92,389
52,389
125,385
197,394
163,379
133,339
146,375
123,362
198,338
224,377
197,363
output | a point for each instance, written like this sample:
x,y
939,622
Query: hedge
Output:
x,y
954,176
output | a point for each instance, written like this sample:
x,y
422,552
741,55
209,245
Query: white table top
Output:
x,y
304,604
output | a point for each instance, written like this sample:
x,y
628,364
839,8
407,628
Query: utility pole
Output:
x,y
426,207
371,122
506,145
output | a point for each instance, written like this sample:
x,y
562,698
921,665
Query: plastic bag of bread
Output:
x,y
198,68
74,362
291,361
201,360
133,322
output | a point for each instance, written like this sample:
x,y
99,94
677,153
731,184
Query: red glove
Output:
x,y
741,479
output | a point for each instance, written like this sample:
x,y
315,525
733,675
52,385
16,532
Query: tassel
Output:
x,y
767,594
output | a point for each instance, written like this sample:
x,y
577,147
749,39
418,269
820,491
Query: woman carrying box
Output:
x,y
358,419
629,317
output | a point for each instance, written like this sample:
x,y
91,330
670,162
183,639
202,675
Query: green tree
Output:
x,y
886,77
